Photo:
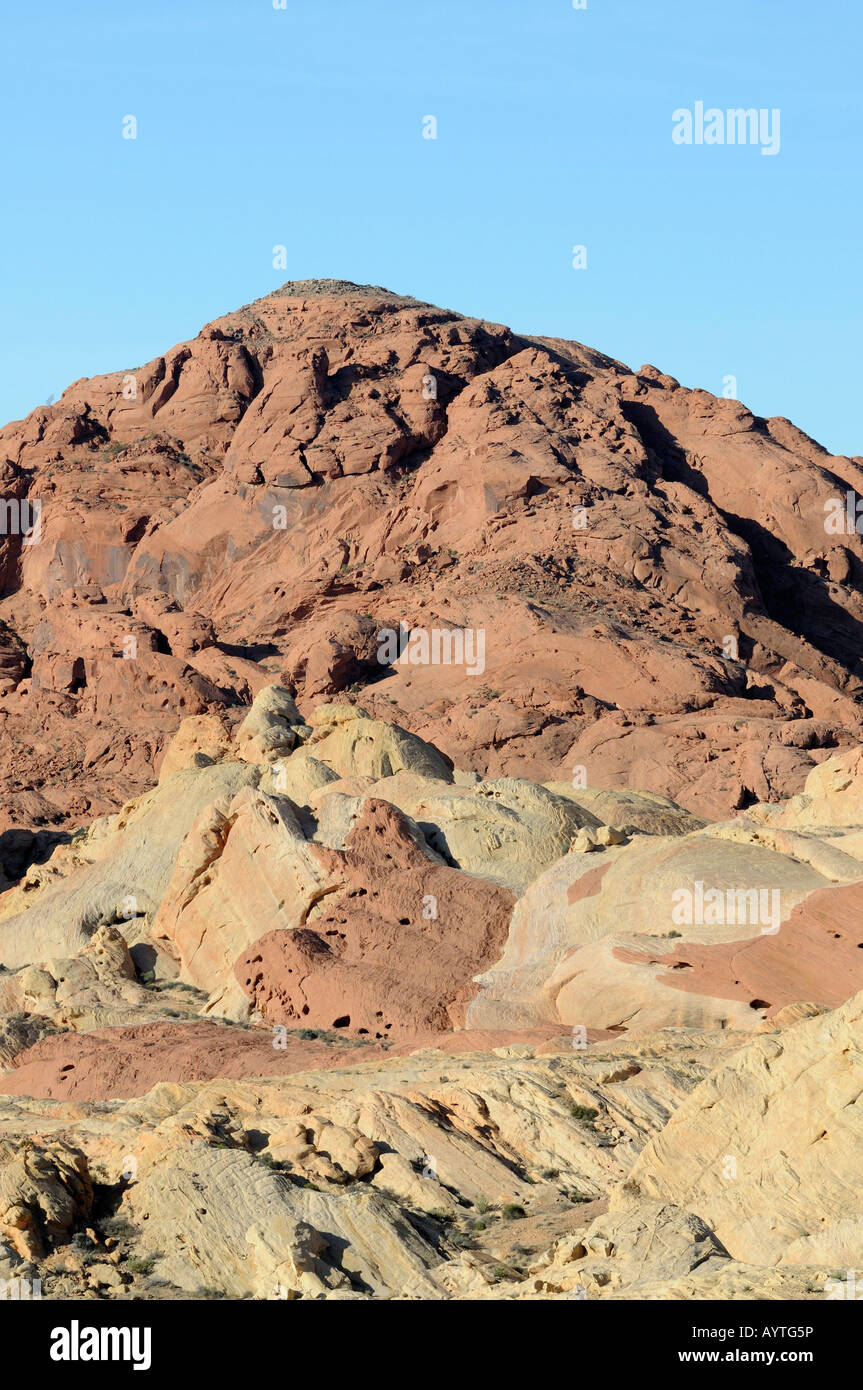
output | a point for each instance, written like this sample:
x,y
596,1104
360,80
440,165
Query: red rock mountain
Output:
x,y
647,566
416,625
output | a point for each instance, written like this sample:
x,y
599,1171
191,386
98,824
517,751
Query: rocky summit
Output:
x,y
431,825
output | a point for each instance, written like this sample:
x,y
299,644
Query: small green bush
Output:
x,y
513,1212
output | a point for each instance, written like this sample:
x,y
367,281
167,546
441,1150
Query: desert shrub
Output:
x,y
513,1212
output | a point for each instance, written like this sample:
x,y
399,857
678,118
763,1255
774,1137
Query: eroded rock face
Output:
x,y
391,951
245,863
356,746
644,1243
45,1192
778,1134
329,1154
332,463
718,927
232,1160
387,899
433,815
301,1186
117,872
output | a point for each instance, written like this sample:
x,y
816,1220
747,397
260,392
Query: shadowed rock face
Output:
x,y
333,460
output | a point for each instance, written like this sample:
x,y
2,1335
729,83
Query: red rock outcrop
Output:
x,y
817,956
649,565
395,955
115,1063
426,633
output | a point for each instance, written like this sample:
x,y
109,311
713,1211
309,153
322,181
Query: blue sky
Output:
x,y
302,127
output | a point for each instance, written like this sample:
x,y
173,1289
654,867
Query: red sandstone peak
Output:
x,y
660,600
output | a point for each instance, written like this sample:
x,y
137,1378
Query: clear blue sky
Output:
x,y
303,127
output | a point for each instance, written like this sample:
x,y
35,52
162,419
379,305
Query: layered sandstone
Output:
x,y
432,825
660,602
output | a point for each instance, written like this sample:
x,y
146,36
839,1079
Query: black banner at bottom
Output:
x,y
604,1336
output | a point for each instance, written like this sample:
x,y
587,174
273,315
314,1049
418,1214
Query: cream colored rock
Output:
x,y
253,1231
19,1031
316,1148
568,956
104,1276
610,835
326,717
297,776
600,986
96,988
718,1281
124,868
99,985
778,1131
45,1191
474,1122
200,736
288,1260
636,812
508,830
244,868
229,1001
832,795
353,745
647,1242
268,731
837,855
396,1175
789,1015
